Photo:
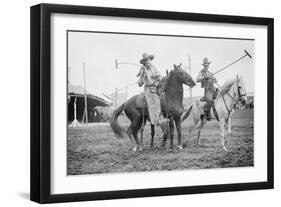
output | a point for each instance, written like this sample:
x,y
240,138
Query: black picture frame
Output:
x,y
40,103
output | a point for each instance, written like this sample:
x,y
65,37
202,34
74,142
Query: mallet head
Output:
x,y
116,64
247,53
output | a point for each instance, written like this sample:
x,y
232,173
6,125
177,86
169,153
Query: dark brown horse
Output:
x,y
171,106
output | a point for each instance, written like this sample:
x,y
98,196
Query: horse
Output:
x,y
231,93
171,107
104,112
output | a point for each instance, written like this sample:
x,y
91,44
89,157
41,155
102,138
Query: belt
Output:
x,y
150,85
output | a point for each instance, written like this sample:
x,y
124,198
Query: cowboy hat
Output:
x,y
145,56
205,61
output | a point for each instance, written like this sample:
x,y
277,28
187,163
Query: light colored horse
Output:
x,y
230,93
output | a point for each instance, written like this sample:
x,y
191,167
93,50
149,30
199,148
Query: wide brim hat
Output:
x,y
206,61
146,56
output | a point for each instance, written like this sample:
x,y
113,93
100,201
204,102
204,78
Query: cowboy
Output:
x,y
150,77
207,80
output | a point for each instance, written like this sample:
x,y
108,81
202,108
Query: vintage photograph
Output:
x,y
158,102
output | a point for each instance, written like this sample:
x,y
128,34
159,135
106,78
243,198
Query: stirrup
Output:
x,y
164,124
207,115
203,99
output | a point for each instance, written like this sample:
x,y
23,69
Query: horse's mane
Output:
x,y
226,87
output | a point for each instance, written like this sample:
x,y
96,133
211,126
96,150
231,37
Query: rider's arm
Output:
x,y
156,73
213,78
140,73
140,82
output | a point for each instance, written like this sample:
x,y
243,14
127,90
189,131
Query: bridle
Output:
x,y
239,92
234,98
164,83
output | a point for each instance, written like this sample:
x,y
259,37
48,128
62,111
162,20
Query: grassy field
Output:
x,y
95,149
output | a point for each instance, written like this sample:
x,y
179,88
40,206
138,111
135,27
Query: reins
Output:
x,y
236,101
165,105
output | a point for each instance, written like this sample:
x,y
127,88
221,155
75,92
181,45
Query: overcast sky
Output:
x,y
99,50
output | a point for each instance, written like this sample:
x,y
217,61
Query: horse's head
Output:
x,y
178,76
240,90
182,76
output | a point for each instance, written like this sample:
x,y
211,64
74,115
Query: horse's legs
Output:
x,y
222,128
178,125
143,121
152,135
164,140
131,133
172,126
229,126
202,122
227,129
135,130
190,130
169,133
195,122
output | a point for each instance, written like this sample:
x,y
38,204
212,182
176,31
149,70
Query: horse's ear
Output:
x,y
167,72
175,66
180,64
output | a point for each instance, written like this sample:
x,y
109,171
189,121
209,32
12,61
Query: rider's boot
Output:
x,y
203,99
207,114
163,123
207,111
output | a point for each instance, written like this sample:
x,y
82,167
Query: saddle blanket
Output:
x,y
141,102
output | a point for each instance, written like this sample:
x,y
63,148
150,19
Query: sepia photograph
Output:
x,y
156,102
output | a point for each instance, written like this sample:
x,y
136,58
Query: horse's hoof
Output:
x,y
140,148
225,149
135,148
180,147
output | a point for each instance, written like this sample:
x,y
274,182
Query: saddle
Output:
x,y
141,101
209,106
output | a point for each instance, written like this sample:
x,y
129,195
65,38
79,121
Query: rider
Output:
x,y
150,77
207,82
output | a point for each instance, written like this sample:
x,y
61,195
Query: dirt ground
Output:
x,y
95,149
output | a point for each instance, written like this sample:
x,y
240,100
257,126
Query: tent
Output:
x,y
76,102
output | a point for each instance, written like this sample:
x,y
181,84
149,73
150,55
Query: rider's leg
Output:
x,y
178,126
207,110
152,136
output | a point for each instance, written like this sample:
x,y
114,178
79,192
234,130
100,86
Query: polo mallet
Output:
x,y
116,64
125,63
247,54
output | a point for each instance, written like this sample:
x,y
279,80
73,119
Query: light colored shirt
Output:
x,y
151,74
203,74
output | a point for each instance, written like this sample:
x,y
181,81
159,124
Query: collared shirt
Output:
x,y
202,77
151,75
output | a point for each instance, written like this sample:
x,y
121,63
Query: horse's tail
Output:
x,y
186,113
117,129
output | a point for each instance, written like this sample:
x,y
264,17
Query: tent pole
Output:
x,y
85,95
116,97
75,122
189,67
